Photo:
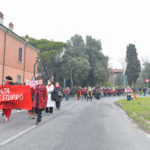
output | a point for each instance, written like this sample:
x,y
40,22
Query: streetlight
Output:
x,y
37,61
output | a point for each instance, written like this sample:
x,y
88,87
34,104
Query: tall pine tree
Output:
x,y
133,64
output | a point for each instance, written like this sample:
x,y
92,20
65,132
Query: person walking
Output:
x,y
67,93
32,89
57,95
40,100
78,94
7,112
140,91
50,103
64,93
89,94
144,91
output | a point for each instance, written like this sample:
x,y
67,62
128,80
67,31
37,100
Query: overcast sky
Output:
x,y
115,22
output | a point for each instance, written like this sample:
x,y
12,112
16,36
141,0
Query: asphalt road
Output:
x,y
79,125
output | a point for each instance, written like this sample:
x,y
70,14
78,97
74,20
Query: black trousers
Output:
x,y
89,97
49,110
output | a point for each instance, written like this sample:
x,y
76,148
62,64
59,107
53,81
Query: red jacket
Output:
x,y
42,97
78,92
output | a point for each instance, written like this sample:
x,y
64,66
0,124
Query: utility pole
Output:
x,y
71,79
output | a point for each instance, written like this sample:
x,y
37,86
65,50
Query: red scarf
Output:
x,y
7,83
57,87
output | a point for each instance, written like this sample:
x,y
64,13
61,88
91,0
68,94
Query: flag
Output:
x,y
134,96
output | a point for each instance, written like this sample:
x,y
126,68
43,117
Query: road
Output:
x,y
79,125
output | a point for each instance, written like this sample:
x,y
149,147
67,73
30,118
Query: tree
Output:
x,y
88,63
133,64
99,72
145,73
50,52
119,80
82,61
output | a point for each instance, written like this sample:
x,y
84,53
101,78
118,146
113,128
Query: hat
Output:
x,y
8,78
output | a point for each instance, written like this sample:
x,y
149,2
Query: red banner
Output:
x,y
15,96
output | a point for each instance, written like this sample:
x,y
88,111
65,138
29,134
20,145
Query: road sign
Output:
x,y
147,80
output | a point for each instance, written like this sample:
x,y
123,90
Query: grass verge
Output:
x,y
139,110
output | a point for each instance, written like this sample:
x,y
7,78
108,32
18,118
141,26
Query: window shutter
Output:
x,y
20,55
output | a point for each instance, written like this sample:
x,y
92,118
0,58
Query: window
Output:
x,y
18,79
20,55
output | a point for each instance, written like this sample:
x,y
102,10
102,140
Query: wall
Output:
x,y
12,66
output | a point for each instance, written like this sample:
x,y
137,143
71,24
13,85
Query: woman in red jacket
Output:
x,y
40,100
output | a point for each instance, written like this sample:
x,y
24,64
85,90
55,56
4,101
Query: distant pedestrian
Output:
x,y
84,93
140,91
78,94
144,91
67,93
89,94
40,100
57,94
64,93
50,103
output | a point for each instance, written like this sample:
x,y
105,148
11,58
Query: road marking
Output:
x,y
29,129
148,135
16,136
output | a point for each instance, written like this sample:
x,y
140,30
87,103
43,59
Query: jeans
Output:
x,y
58,104
67,97
39,115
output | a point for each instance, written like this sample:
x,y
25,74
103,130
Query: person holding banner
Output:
x,y
7,112
40,100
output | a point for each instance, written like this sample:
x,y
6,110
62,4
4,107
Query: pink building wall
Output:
x,y
12,66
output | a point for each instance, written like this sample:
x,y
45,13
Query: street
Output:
x,y
79,125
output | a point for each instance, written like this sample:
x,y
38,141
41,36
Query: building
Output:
x,y
113,75
17,56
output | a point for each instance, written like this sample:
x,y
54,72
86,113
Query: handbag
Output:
x,y
53,96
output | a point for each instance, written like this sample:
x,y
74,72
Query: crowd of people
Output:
x,y
47,97
91,92
44,98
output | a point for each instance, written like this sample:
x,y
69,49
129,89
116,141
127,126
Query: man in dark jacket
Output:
x,y
57,95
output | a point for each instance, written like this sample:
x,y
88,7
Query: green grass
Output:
x,y
139,110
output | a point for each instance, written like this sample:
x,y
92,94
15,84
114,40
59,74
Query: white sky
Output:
x,y
115,22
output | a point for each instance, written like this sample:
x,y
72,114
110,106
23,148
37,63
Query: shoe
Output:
x,y
6,119
32,117
36,123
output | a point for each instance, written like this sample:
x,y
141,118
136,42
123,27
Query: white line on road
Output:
x,y
29,129
148,135
16,136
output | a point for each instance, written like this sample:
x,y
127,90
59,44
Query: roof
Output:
x,y
18,37
117,70
1,15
